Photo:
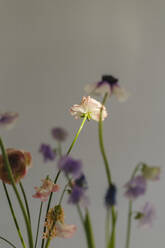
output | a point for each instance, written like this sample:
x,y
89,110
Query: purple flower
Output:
x,y
70,166
76,195
59,134
47,152
81,182
110,197
135,187
147,215
8,119
108,84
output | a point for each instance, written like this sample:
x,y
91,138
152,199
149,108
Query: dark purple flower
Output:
x,y
81,182
47,152
7,119
135,187
108,84
59,134
70,166
110,197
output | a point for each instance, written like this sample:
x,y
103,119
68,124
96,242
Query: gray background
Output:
x,y
49,50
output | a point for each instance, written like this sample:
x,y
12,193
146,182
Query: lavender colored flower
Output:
x,y
59,134
81,182
47,152
8,119
135,187
147,215
76,195
110,197
70,166
108,84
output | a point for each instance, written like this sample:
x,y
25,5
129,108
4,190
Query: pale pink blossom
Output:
x,y
88,106
64,230
148,215
45,190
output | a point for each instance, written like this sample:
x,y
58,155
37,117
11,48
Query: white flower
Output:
x,y
109,85
88,106
147,215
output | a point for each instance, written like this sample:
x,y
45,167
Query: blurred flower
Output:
x,y
8,119
47,152
108,84
55,226
135,187
110,197
20,162
151,173
45,190
81,182
77,196
88,106
147,215
70,166
59,134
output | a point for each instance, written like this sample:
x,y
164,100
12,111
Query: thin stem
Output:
x,y
108,173
7,241
38,225
59,172
7,164
26,201
128,233
89,231
13,215
107,226
129,225
62,195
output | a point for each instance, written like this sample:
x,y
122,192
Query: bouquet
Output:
x,y
15,163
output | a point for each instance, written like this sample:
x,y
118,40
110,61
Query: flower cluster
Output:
x,y
20,162
55,226
45,190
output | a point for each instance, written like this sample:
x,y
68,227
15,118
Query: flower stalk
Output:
x,y
7,164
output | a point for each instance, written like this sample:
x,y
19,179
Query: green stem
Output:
x,y
108,173
59,172
62,195
129,225
13,215
7,164
128,233
26,201
8,242
107,226
89,231
38,225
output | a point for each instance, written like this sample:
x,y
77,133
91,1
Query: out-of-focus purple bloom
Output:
x,y
78,196
108,84
135,187
8,119
147,215
59,134
70,166
110,197
47,152
81,182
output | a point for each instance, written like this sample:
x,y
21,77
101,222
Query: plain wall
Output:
x,y
50,49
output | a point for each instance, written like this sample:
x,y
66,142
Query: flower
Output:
x,y
77,196
47,152
81,182
89,107
108,84
8,119
110,197
135,187
151,173
20,162
146,216
55,226
45,190
59,134
70,166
